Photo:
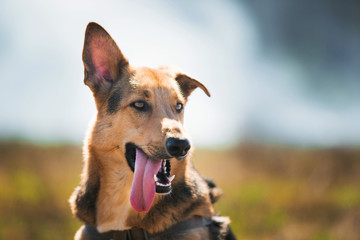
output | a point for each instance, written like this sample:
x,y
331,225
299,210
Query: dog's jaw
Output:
x,y
113,206
114,211
189,192
162,178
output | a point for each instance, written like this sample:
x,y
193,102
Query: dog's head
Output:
x,y
140,114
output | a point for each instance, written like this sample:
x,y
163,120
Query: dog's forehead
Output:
x,y
154,80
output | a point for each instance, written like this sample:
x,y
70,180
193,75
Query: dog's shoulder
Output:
x,y
83,201
220,229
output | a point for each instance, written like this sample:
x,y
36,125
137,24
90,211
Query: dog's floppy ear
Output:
x,y
103,61
188,84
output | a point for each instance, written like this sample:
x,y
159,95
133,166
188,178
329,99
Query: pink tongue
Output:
x,y
143,186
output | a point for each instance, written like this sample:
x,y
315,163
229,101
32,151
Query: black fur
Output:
x,y
215,192
220,230
179,197
185,86
85,202
114,102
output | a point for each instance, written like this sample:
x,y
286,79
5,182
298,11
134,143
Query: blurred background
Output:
x,y
280,133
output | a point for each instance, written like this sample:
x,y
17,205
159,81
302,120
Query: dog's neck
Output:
x,y
113,206
189,197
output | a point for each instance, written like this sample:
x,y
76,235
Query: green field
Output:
x,y
270,192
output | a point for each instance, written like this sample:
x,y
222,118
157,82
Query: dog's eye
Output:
x,y
179,107
139,105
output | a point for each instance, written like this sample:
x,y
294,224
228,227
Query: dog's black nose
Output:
x,y
177,147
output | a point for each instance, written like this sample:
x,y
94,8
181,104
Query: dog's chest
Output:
x,y
113,206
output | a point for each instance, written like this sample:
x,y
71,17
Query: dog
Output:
x,y
138,181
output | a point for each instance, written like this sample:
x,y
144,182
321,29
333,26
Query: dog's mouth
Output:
x,y
150,176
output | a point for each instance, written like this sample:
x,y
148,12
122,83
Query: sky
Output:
x,y
255,95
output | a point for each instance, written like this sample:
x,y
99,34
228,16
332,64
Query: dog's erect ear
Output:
x,y
103,61
188,84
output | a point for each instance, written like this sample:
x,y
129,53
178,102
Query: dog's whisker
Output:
x,y
155,152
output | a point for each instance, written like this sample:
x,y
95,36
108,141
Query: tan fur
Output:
x,y
111,132
104,151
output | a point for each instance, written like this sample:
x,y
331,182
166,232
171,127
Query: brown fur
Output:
x,y
102,199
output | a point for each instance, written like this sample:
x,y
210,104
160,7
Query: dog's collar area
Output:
x,y
140,234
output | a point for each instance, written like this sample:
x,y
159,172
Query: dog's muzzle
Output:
x,y
152,172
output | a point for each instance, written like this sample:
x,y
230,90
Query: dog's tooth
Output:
x,y
171,178
162,184
155,178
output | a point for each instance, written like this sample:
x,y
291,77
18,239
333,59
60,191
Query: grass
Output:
x,y
277,192
35,183
270,192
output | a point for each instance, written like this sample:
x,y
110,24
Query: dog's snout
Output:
x,y
177,147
